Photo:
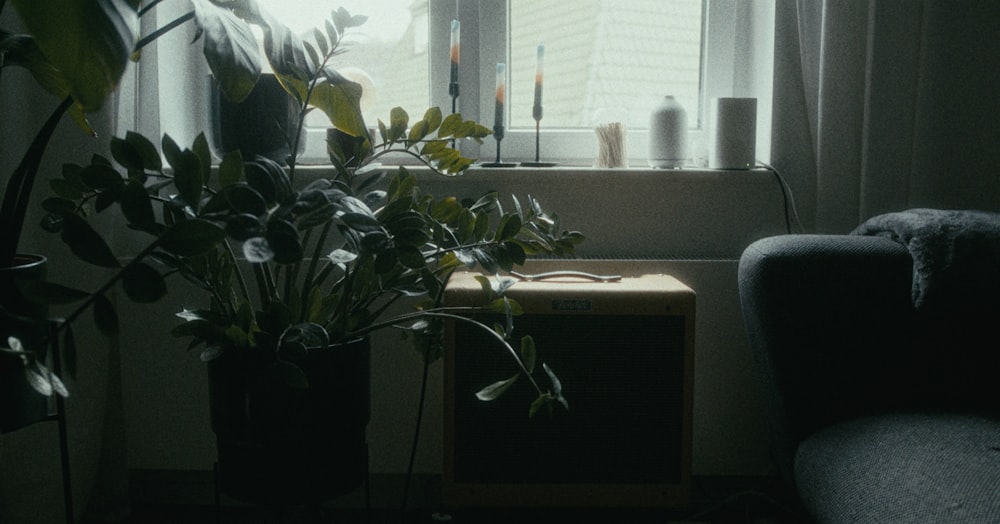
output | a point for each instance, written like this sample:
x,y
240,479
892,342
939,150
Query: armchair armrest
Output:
x,y
829,322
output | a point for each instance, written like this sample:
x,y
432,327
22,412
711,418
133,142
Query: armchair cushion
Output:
x,y
912,467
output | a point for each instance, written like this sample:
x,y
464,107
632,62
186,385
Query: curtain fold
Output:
x,y
881,105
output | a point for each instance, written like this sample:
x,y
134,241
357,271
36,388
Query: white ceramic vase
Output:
x,y
668,134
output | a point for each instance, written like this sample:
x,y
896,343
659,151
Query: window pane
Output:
x,y
619,55
387,54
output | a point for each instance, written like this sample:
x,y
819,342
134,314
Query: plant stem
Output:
x,y
240,279
445,312
148,7
265,284
416,439
146,40
110,283
307,282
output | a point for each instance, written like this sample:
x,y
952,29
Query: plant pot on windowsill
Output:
x,y
264,123
283,441
20,404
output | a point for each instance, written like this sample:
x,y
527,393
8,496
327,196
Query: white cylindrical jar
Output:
x,y
668,134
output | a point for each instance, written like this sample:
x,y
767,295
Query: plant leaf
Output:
x,y
433,118
231,168
38,379
89,42
230,49
556,386
99,176
125,154
528,353
494,390
341,256
146,150
338,98
191,237
188,177
22,50
284,241
137,207
257,251
105,316
243,227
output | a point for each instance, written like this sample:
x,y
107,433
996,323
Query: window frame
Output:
x,y
726,71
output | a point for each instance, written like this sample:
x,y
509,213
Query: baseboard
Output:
x,y
154,487
715,499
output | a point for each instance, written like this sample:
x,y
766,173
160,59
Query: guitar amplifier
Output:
x,y
623,349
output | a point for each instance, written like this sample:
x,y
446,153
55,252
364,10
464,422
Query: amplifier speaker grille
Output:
x,y
625,439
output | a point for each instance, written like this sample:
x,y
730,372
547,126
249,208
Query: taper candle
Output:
x,y
536,110
456,28
501,93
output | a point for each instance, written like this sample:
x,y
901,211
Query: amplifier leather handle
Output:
x,y
559,274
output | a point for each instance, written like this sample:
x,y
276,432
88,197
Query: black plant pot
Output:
x,y
264,123
285,447
20,404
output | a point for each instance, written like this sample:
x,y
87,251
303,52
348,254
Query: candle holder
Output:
x,y
537,114
453,92
498,136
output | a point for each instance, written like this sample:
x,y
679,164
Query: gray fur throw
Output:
x,y
956,254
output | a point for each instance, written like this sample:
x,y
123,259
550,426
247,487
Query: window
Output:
x,y
619,55
388,56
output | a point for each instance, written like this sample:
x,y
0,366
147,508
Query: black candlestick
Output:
x,y
453,91
498,136
536,113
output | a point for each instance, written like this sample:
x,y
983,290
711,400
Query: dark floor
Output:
x,y
716,500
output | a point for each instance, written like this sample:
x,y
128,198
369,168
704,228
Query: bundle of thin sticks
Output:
x,y
611,145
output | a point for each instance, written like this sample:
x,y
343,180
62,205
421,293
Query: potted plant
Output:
x,y
296,274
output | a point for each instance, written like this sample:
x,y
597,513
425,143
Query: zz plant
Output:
x,y
286,264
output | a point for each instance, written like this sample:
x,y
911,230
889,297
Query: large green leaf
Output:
x,y
230,49
338,97
88,41
285,51
137,207
22,50
188,177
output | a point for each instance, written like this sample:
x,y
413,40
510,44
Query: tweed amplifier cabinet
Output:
x,y
623,349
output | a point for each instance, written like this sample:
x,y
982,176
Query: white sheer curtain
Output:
x,y
166,92
882,105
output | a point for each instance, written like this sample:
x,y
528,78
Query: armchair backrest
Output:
x,y
829,320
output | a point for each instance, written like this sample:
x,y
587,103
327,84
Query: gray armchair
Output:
x,y
879,360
